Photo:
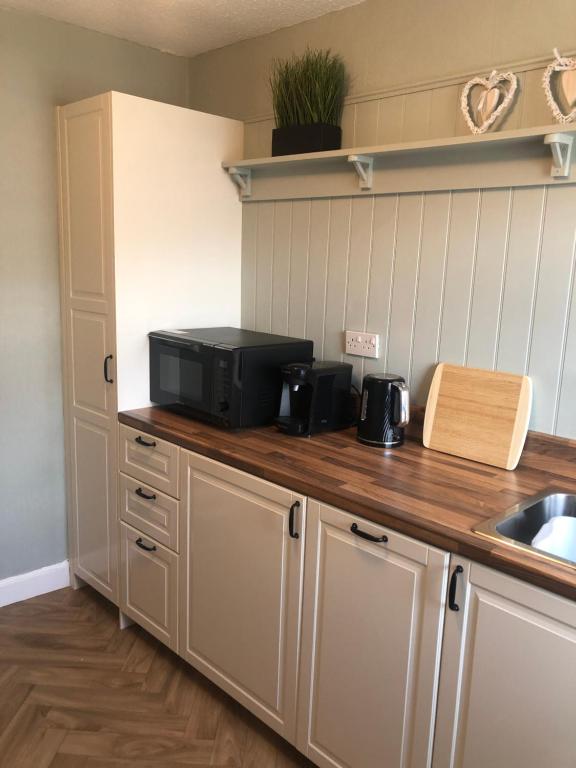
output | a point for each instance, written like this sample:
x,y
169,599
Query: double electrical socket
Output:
x,y
362,344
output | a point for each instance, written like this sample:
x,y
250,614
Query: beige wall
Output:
x,y
45,63
407,62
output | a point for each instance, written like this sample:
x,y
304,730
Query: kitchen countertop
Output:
x,y
431,496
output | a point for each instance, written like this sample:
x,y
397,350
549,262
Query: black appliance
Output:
x,y
227,376
384,410
316,397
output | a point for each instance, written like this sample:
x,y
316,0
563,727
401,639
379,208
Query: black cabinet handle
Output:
x,y
140,543
368,536
141,441
106,372
140,492
452,604
294,534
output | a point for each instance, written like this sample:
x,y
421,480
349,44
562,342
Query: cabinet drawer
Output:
x,y
149,459
150,511
149,585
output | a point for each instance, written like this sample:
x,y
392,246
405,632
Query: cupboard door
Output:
x,y
371,644
88,335
94,544
241,586
149,592
508,681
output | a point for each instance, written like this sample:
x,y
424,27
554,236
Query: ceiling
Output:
x,y
183,27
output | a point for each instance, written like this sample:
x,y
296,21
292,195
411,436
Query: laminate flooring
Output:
x,y
77,692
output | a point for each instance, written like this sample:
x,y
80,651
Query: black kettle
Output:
x,y
384,410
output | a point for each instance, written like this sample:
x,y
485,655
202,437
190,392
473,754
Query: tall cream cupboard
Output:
x,y
150,233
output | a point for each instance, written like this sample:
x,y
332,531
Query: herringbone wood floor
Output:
x,y
76,692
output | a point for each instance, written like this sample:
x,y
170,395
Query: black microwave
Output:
x,y
227,376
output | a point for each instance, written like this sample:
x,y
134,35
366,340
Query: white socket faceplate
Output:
x,y
362,344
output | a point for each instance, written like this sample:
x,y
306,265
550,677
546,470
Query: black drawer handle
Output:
x,y
294,534
368,536
452,604
140,543
106,371
141,441
148,497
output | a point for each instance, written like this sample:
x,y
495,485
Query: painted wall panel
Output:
x,y
459,275
281,266
565,418
336,286
524,244
390,120
298,281
358,272
317,272
381,274
406,264
249,265
482,277
433,254
490,264
551,307
264,266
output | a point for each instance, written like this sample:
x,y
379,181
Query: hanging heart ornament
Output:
x,y
563,69
496,96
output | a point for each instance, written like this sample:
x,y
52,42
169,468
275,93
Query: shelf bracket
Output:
x,y
363,165
242,177
561,147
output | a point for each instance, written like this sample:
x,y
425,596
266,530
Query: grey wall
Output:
x,y
43,64
477,277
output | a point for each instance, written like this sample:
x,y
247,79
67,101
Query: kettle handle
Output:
x,y
404,403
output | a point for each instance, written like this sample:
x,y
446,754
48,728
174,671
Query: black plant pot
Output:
x,y
299,139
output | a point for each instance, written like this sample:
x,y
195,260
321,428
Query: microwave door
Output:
x,y
180,375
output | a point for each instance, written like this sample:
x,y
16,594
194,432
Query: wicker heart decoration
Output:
x,y
499,90
567,76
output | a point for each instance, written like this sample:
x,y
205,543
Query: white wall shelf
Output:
x,y
506,158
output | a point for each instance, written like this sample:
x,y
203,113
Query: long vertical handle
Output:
x,y
404,407
106,372
293,533
452,604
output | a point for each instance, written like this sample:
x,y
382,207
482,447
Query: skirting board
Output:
x,y
27,585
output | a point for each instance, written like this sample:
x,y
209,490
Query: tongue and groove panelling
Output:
x,y
477,277
430,113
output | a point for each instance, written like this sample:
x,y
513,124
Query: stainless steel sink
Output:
x,y
521,524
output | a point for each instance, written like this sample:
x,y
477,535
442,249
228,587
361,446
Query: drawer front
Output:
x,y
149,585
150,511
149,459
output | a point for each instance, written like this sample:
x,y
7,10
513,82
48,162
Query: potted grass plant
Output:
x,y
308,97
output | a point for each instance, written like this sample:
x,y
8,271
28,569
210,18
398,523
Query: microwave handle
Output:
x,y
237,373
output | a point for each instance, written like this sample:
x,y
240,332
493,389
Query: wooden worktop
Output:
x,y
431,496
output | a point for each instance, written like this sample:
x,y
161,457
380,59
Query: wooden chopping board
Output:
x,y
478,414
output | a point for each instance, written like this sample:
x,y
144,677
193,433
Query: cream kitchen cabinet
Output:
x,y
372,632
150,522
508,682
150,234
149,585
241,586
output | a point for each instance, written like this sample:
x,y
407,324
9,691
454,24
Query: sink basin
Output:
x,y
521,524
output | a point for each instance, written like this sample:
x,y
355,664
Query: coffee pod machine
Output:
x,y
316,397
384,410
